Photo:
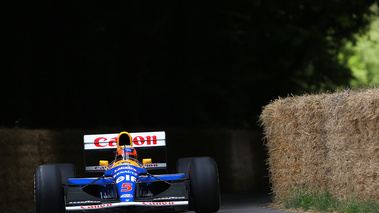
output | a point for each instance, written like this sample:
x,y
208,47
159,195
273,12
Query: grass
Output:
x,y
316,199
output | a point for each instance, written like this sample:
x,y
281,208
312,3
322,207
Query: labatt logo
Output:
x,y
137,141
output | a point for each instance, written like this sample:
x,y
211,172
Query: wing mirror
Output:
x,y
103,163
146,161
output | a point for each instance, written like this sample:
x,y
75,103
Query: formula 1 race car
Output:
x,y
126,184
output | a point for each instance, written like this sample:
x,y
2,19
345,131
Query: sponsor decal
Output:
x,y
84,202
157,203
119,179
126,196
102,142
106,195
139,140
169,198
125,172
96,206
100,167
124,168
151,165
127,178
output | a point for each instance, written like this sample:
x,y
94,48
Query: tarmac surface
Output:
x,y
247,203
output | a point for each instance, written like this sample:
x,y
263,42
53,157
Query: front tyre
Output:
x,y
48,189
205,189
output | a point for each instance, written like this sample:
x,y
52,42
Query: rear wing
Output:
x,y
103,146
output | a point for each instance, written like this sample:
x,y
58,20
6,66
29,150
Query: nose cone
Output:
x,y
125,177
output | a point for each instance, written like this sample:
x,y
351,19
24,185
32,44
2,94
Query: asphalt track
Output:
x,y
246,203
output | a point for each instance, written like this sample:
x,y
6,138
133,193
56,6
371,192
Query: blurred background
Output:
x,y
202,70
159,64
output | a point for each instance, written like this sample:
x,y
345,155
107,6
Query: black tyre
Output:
x,y
48,189
67,171
183,166
205,189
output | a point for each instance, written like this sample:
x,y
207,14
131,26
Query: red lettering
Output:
x,y
149,140
157,203
100,167
99,140
97,206
113,141
128,187
139,140
102,140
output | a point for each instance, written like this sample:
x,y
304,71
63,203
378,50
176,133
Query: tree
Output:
x,y
171,63
362,56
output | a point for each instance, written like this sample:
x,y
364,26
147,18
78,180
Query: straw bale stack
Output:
x,y
328,140
353,139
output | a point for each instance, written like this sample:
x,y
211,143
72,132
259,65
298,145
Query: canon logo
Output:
x,y
137,141
157,203
151,165
96,206
100,167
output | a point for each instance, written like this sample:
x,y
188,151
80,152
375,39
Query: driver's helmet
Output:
x,y
126,153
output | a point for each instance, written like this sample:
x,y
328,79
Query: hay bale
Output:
x,y
353,141
293,129
329,140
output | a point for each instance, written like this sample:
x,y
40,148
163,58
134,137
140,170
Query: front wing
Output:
x,y
126,204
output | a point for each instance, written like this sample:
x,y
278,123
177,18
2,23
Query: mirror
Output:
x,y
103,163
146,161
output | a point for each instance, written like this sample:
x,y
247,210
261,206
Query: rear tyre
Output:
x,y
205,189
48,189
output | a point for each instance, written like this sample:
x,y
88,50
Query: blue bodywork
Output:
x,y
126,183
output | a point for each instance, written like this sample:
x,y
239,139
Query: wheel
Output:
x,y
48,189
205,191
67,171
183,166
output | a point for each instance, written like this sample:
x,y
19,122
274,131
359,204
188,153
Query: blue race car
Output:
x,y
126,184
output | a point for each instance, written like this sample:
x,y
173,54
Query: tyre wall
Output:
x,y
239,154
328,140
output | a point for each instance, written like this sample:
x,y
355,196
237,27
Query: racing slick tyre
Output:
x,y
205,191
48,189
67,171
183,166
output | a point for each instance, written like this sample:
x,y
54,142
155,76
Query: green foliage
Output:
x,y
317,199
362,56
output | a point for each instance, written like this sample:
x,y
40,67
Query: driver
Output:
x,y
126,153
